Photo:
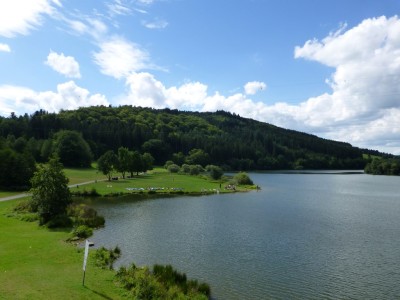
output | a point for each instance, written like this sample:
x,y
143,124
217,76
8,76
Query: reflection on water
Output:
x,y
301,236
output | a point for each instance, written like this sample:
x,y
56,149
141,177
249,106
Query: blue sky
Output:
x,y
330,68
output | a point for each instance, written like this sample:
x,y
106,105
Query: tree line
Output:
x,y
83,135
383,166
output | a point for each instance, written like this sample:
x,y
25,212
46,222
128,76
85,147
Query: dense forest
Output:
x,y
383,166
220,138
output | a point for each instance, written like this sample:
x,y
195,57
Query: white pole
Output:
x,y
85,260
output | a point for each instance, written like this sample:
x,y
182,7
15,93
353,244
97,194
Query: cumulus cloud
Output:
x,y
66,65
119,57
363,107
21,16
365,100
5,47
251,88
68,96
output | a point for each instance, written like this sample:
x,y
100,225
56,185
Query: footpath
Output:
x,y
28,194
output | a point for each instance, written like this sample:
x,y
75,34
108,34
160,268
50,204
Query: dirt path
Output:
x,y
27,194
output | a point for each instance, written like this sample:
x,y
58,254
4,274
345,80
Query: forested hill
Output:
x,y
218,138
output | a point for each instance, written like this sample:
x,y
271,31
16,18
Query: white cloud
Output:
x,y
147,2
119,7
119,58
68,96
5,47
157,24
363,107
365,91
251,88
21,16
66,65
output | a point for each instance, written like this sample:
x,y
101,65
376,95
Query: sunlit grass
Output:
x,y
38,264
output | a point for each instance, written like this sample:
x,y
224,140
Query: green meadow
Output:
x,y
158,181
37,263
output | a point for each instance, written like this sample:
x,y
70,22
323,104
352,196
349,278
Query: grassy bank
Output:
x,y
38,264
156,181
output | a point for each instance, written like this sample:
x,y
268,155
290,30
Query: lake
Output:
x,y
303,236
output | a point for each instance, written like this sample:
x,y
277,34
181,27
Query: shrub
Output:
x,y
85,215
173,168
82,231
105,258
196,169
168,163
185,169
60,221
243,178
214,171
163,283
29,217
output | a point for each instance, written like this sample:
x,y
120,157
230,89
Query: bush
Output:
x,y
243,178
214,171
196,169
29,217
60,221
173,168
105,258
185,168
168,163
82,231
85,215
163,283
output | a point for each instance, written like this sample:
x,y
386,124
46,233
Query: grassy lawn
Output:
x,y
158,180
37,264
83,175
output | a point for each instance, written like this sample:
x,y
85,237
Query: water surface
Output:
x,y
311,236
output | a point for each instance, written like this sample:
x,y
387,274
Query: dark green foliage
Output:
x,y
218,138
383,166
163,283
173,168
50,192
85,193
108,163
123,161
16,169
82,231
82,214
60,221
242,178
214,171
105,258
72,149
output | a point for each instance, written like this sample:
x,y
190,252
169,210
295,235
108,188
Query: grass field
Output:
x,y
158,181
37,264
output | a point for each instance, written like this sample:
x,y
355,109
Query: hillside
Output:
x,y
223,138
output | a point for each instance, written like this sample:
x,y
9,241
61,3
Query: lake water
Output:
x,y
303,236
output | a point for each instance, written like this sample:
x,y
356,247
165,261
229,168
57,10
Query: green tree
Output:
x,y
16,169
242,178
214,171
107,163
147,162
50,192
198,157
72,149
123,161
134,162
